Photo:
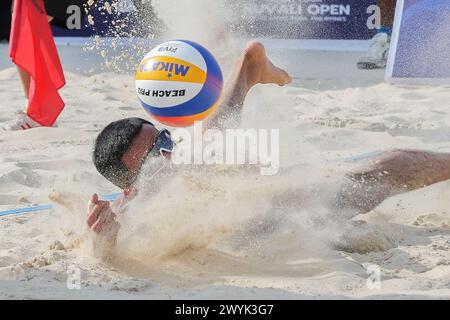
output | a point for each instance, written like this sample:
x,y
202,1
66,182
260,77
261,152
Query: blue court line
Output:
x,y
363,156
110,197
44,207
27,209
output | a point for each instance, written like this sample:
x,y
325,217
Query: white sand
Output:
x,y
203,245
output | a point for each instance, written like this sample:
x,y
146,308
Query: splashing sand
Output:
x,y
218,233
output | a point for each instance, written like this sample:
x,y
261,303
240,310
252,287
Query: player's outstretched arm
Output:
x,y
393,173
101,220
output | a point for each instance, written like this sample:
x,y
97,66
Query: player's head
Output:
x,y
123,146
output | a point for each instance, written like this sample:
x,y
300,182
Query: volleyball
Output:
x,y
179,82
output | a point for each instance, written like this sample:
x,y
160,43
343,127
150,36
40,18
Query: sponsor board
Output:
x,y
420,45
307,19
281,19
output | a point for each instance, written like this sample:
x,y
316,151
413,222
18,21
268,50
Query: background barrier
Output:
x,y
5,19
280,19
420,46
301,19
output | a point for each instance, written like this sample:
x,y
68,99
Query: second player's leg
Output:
x,y
387,8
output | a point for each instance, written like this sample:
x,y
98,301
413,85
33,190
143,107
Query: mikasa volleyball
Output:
x,y
179,82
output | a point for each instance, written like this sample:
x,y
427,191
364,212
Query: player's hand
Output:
x,y
100,214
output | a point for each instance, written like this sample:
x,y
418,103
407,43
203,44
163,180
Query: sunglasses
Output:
x,y
163,142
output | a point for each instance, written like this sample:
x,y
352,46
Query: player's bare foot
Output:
x,y
260,69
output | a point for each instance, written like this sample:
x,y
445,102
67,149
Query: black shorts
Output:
x,y
58,10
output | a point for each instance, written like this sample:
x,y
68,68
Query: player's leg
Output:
x,y
377,54
387,8
253,68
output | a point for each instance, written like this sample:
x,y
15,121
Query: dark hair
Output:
x,y
111,144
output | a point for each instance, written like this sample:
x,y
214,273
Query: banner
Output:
x,y
307,19
281,19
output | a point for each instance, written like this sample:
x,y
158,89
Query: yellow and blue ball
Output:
x,y
179,82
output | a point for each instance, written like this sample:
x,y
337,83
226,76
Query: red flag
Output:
x,y
33,49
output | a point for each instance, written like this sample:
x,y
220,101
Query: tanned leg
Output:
x,y
252,68
387,8
25,78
